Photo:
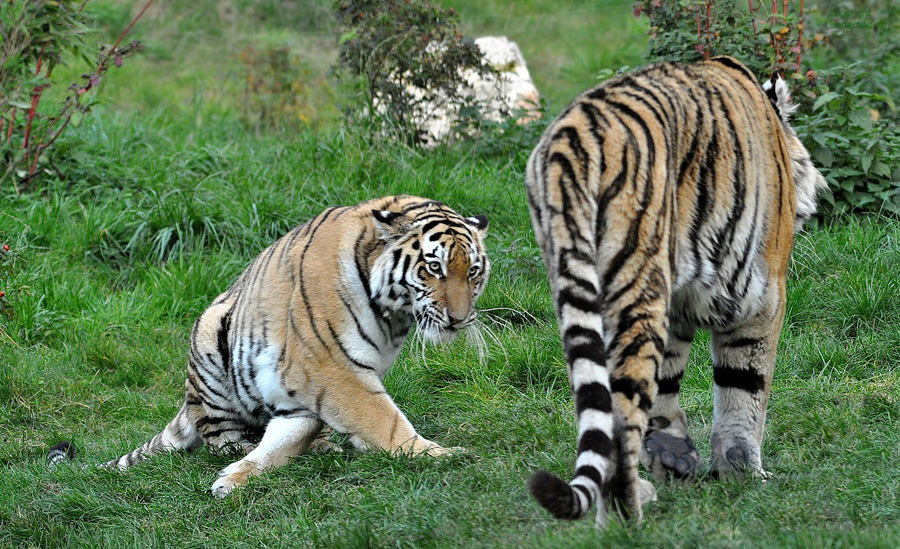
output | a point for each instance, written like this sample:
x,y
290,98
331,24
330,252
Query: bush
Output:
x,y
847,117
35,37
850,125
391,47
690,30
6,259
279,90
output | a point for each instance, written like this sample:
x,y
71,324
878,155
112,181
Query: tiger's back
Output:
x,y
664,201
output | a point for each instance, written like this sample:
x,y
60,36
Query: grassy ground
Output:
x,y
107,272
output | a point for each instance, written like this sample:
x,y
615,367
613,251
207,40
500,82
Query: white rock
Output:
x,y
499,96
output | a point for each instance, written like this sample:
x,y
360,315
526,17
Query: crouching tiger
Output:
x,y
308,330
666,200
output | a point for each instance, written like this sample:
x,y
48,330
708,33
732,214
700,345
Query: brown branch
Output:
x,y
755,31
708,14
12,123
35,99
773,34
128,28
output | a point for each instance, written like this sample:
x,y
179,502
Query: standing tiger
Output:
x,y
308,330
666,200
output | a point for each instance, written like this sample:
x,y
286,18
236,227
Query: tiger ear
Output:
x,y
390,225
780,96
478,222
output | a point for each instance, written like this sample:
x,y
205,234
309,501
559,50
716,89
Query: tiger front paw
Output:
x,y
231,477
452,451
433,449
225,485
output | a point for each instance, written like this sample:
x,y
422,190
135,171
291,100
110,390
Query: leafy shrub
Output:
x,y
35,37
690,30
847,117
850,30
852,127
389,47
279,90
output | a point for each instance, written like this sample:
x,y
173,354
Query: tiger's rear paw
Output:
x,y
668,456
321,446
741,459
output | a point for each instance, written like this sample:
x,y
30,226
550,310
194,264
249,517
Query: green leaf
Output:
x,y
348,36
824,99
861,199
844,172
820,138
76,119
881,169
824,156
866,161
20,104
862,119
836,136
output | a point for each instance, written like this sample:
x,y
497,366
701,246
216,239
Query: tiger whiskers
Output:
x,y
475,339
477,331
501,322
418,345
520,312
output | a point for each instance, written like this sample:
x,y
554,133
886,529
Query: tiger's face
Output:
x,y
437,268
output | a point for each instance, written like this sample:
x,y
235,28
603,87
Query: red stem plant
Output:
x,y
40,131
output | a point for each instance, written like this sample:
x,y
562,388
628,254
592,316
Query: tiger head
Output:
x,y
433,266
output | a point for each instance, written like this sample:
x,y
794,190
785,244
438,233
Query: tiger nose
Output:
x,y
458,317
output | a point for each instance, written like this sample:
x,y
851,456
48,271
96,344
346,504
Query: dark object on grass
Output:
x,y
60,453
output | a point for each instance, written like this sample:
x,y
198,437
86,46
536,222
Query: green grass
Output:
x,y
172,195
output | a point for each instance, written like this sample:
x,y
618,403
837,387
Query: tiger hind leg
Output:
x,y
285,437
668,451
743,364
636,314
213,400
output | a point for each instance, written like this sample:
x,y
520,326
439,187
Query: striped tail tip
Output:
x,y
60,453
555,495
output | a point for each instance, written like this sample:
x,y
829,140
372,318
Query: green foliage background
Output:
x,y
846,83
